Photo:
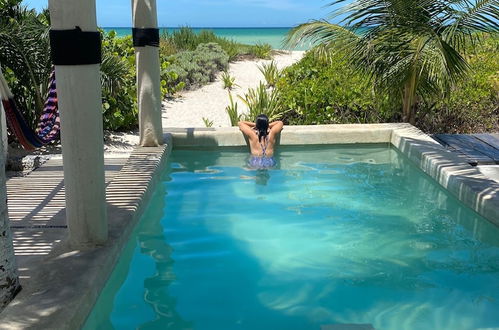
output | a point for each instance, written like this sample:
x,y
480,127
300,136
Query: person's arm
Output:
x,y
248,123
276,127
246,128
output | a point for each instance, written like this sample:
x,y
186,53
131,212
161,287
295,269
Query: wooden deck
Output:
x,y
36,205
478,149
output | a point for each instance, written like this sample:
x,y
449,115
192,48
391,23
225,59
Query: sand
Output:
x,y
211,100
186,110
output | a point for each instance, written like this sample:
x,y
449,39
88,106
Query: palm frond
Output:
x,y
473,16
329,38
113,73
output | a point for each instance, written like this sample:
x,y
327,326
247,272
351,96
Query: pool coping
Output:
x,y
63,290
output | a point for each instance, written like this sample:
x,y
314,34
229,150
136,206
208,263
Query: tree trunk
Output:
x,y
409,101
9,280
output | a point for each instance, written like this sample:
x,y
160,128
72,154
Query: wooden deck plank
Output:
x,y
480,146
490,139
38,199
462,145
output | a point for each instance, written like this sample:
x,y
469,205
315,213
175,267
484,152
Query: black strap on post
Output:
x,y
75,47
145,37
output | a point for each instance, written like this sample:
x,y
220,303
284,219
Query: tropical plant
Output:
x,y
232,111
207,122
228,80
411,48
198,67
263,51
270,72
118,79
25,56
263,101
186,39
320,91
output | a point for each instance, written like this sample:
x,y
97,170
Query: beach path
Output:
x,y
210,101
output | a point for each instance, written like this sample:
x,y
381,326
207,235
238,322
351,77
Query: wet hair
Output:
x,y
262,126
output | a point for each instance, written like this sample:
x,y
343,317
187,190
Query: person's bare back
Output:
x,y
262,138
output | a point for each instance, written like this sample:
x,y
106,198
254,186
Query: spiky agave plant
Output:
x,y
262,101
232,111
412,48
270,72
228,80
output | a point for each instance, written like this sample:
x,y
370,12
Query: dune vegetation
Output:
x,y
431,63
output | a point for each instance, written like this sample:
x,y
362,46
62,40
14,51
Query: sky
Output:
x,y
211,13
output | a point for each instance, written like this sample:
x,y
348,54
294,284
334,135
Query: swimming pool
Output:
x,y
334,235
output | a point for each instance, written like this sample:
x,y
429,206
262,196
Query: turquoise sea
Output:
x,y
250,36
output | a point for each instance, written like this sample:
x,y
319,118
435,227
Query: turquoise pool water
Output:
x,y
334,235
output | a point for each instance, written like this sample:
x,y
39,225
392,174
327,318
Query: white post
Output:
x,y
80,106
148,77
3,125
9,280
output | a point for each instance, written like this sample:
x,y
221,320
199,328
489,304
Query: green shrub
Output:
x,y
185,39
119,89
317,91
263,101
473,103
270,72
199,67
232,111
320,91
166,46
207,122
118,77
228,80
260,50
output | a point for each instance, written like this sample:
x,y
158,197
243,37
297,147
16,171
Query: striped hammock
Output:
x,y
49,124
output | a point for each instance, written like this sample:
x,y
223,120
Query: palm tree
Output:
x,y
412,48
25,51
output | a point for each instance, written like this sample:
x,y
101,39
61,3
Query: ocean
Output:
x,y
250,36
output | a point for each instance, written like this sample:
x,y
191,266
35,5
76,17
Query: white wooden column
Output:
x,y
80,107
9,280
3,124
148,77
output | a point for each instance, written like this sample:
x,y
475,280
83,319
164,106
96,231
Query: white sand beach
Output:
x,y
190,107
210,101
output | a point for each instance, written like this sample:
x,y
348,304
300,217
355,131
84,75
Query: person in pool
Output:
x,y
262,137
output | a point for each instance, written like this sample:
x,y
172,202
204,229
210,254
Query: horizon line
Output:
x,y
205,27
